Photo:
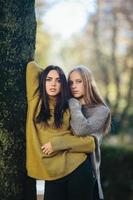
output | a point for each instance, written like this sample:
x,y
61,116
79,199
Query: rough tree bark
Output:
x,y
18,29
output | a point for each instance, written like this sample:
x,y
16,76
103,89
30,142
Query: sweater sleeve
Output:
x,y
73,143
33,71
83,126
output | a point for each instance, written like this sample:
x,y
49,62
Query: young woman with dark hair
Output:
x,y
89,115
54,154
61,100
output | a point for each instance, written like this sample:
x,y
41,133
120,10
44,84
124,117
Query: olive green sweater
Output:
x,y
69,150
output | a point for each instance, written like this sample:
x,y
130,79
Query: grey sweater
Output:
x,y
87,120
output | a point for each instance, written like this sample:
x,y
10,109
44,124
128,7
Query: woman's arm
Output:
x,y
83,126
33,71
73,143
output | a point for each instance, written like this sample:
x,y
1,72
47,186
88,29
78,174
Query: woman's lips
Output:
x,y
74,92
52,90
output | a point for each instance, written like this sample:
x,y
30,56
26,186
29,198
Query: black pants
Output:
x,y
78,185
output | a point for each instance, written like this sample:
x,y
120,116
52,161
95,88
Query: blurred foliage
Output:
x,y
42,45
14,184
10,166
117,173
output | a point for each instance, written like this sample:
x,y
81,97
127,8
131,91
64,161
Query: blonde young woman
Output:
x,y
89,115
53,153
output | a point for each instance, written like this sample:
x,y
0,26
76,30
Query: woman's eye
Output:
x,y
48,79
58,80
79,81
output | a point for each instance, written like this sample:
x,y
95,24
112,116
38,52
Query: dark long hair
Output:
x,y
61,101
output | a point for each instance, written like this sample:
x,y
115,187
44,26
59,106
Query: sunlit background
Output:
x,y
62,24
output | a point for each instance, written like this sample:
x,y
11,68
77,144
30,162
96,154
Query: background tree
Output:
x,y
18,28
113,52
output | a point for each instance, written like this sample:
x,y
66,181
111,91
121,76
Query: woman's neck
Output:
x,y
52,102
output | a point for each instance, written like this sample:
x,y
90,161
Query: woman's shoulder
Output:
x,y
100,108
103,108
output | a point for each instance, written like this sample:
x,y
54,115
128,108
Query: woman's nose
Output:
x,y
53,83
73,85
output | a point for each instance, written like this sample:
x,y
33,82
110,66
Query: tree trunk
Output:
x,y
18,28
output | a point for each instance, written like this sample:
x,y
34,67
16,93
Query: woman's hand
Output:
x,y
74,103
47,148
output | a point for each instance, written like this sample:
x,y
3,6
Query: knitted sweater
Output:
x,y
69,150
87,120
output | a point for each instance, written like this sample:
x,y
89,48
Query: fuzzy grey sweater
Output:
x,y
87,120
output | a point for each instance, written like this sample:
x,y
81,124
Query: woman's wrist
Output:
x,y
82,101
74,103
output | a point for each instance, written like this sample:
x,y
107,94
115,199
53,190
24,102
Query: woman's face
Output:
x,y
53,84
76,85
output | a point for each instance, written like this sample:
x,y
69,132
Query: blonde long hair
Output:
x,y
92,95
